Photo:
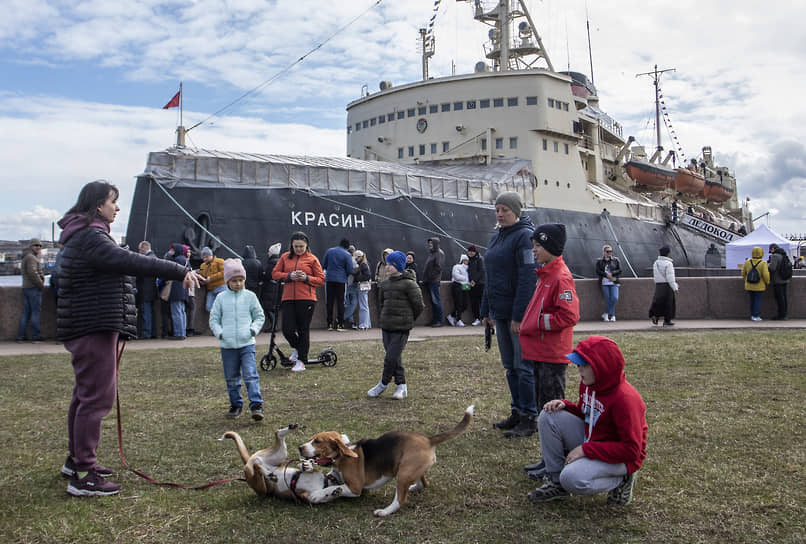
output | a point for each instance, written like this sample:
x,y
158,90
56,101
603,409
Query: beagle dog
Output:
x,y
370,463
269,472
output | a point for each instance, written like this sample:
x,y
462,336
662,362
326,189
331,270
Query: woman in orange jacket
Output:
x,y
302,274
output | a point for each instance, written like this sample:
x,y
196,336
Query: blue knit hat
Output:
x,y
397,259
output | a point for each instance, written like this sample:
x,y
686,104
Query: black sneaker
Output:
x,y
91,485
257,413
508,423
234,411
621,495
550,491
527,426
69,469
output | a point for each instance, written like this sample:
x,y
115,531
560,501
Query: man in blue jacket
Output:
x,y
338,265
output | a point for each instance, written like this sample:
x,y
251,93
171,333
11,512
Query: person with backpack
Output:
x,y
756,276
781,272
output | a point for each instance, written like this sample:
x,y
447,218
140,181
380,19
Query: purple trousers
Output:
x,y
93,359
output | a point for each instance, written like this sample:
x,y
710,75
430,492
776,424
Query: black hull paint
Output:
x,y
263,216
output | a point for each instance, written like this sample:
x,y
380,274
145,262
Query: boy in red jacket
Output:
x,y
599,443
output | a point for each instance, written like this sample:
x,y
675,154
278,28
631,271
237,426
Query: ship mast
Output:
x,y
507,51
656,81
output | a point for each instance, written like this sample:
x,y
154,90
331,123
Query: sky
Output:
x,y
83,82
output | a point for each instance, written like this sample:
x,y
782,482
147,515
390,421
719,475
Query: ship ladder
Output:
x,y
605,215
673,230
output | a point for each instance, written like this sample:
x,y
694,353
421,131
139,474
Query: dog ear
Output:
x,y
343,449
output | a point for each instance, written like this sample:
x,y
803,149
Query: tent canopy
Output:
x,y
736,253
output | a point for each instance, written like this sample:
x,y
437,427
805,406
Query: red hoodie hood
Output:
x,y
606,359
74,222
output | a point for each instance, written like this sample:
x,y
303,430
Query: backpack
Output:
x,y
752,275
785,268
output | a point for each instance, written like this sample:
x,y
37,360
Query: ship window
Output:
x,y
410,112
372,122
421,110
401,114
471,104
390,117
484,144
565,106
422,149
531,101
399,152
364,123
558,184
513,143
551,102
498,102
484,103
433,108
446,106
545,145
499,143
433,149
457,106
358,126
566,148
411,151
545,182
381,119
446,146
512,101
349,129
568,185
556,146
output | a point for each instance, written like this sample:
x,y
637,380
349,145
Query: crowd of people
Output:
x,y
521,288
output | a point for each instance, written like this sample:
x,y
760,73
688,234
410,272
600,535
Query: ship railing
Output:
x,y
586,142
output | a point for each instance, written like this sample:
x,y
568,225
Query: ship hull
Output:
x,y
262,216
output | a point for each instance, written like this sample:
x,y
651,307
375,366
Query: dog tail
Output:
x,y
239,443
456,431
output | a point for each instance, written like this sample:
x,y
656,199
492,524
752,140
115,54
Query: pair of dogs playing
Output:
x,y
367,464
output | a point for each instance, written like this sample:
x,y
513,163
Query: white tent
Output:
x,y
736,253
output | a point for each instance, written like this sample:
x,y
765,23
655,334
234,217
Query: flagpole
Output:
x,y
180,130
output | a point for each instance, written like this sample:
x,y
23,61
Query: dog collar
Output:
x,y
324,461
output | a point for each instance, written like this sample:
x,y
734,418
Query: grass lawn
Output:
x,y
726,452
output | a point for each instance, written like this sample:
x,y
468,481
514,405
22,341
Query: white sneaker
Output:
x,y
613,319
294,356
460,323
755,319
377,390
299,366
401,393
452,320
476,323
605,318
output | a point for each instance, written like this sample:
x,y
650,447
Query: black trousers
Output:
x,y
334,295
779,290
460,299
476,293
297,315
393,343
663,303
549,382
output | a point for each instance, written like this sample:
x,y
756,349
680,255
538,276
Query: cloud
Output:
x,y
34,223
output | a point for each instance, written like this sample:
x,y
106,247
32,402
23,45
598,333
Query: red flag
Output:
x,y
174,103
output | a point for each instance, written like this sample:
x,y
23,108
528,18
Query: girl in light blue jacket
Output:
x,y
235,319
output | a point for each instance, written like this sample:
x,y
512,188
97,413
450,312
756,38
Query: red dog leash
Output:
x,y
121,347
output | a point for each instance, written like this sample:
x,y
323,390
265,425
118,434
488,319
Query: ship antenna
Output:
x,y
656,81
590,49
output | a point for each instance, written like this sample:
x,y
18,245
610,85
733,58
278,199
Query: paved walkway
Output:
x,y
419,333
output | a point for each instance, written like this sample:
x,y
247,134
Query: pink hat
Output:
x,y
233,268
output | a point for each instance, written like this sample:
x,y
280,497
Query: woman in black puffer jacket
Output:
x,y
96,307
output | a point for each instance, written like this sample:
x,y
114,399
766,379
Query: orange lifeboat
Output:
x,y
689,181
653,176
716,192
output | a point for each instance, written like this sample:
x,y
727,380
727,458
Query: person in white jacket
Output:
x,y
663,303
235,319
460,289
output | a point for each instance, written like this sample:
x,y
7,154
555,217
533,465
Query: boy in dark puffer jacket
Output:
x,y
400,302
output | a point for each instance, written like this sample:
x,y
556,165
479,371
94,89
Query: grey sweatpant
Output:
x,y
560,432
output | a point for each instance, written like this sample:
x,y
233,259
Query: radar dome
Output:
x,y
384,85
481,66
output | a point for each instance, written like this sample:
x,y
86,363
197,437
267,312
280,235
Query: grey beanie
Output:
x,y
206,251
511,200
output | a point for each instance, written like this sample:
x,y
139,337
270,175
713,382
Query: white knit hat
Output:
x,y
232,269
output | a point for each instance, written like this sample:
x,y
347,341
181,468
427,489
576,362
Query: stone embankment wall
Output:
x,y
698,298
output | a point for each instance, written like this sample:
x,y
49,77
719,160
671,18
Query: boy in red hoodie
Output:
x,y
599,443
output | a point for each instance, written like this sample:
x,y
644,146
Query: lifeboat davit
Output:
x,y
689,181
716,192
653,176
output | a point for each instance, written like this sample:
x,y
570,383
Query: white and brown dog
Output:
x,y
269,472
370,463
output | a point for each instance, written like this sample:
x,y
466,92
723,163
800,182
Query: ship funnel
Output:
x,y
385,85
